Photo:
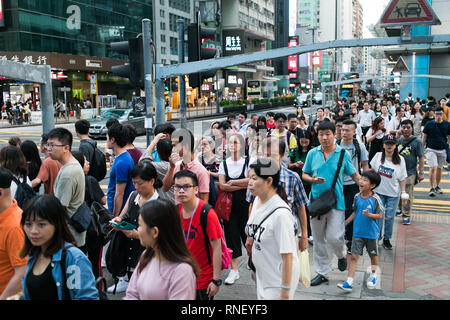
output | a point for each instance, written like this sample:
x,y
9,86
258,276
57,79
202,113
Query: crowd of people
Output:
x,y
267,174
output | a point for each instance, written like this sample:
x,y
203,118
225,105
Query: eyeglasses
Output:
x,y
51,146
185,187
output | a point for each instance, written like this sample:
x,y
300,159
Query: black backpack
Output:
x,y
24,192
98,164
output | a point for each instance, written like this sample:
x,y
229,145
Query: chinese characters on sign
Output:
x,y
40,60
233,43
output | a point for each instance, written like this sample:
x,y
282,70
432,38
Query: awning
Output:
x,y
270,78
241,69
265,68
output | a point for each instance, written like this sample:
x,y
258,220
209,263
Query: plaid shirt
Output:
x,y
293,186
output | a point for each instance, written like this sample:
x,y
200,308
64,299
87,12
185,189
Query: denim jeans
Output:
x,y
390,205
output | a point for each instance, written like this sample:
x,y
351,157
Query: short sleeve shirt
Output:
x,y
316,165
435,134
391,175
199,170
47,174
410,153
363,226
11,241
351,149
120,173
195,238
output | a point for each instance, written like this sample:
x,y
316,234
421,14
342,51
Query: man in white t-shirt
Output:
x,y
394,126
366,117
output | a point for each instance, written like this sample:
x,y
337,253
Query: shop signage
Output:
x,y
234,79
233,41
93,84
93,63
293,60
28,59
316,58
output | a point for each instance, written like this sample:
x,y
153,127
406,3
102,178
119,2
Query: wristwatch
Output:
x,y
217,282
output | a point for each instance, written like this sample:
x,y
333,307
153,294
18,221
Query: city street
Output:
x,y
417,268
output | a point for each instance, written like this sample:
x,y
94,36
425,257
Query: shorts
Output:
x,y
358,245
436,158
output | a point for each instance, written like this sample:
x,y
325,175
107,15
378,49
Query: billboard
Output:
x,y
2,18
292,17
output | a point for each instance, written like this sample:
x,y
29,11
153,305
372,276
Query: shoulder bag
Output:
x,y
328,199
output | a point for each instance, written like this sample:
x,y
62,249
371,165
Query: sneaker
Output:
x,y
432,193
438,190
310,240
398,213
406,221
371,282
232,277
387,244
342,264
345,286
122,286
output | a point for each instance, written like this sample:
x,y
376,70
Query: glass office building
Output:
x,y
81,27
73,37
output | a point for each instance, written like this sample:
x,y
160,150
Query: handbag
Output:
x,y
328,199
223,205
82,218
101,217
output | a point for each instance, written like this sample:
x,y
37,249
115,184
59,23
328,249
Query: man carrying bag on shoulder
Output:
x,y
325,168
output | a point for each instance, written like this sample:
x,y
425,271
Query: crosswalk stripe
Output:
x,y
429,209
427,201
433,207
428,189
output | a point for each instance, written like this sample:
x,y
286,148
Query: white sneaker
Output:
x,y
232,277
122,285
372,281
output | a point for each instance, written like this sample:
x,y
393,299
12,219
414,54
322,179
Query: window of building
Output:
x,y
173,46
162,25
182,5
163,50
163,38
161,13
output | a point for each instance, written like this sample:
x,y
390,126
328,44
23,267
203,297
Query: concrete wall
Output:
x,y
439,65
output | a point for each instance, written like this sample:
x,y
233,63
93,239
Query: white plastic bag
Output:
x,y
305,274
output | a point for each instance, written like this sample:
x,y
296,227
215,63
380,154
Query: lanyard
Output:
x,y
190,223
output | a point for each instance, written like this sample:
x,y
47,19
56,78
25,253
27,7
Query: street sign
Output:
x,y
400,66
65,89
408,13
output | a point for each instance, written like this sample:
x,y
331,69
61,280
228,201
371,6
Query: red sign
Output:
x,y
316,58
408,12
2,18
292,60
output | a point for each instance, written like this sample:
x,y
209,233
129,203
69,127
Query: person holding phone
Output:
x,y
319,170
145,180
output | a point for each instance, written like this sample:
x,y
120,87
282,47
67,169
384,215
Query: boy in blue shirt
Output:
x,y
367,215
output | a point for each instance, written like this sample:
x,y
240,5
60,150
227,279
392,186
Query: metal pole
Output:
x,y
159,95
48,121
311,75
148,64
181,79
65,103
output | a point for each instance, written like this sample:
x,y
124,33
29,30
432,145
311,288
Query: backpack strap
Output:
x,y
65,290
204,221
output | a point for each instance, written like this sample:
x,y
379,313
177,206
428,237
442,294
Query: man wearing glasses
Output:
x,y
434,139
186,188
69,185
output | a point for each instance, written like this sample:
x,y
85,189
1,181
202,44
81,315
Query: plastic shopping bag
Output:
x,y
305,274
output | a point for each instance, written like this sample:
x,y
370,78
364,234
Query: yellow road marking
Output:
x,y
428,189
427,201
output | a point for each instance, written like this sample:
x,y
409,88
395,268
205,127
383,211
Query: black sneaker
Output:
x,y
387,244
432,193
319,279
342,264
438,190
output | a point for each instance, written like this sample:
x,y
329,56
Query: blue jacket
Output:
x,y
80,279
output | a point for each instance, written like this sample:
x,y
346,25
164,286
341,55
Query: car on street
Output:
x,y
317,98
98,128
303,100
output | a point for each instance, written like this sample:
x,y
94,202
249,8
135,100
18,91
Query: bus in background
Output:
x,y
349,90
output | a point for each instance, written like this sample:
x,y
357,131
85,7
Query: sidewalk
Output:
x,y
416,269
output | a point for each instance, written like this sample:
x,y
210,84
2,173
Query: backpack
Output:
x,y
24,192
226,252
98,164
357,147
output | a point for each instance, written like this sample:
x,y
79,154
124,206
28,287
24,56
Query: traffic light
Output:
x,y
196,36
166,84
174,84
134,70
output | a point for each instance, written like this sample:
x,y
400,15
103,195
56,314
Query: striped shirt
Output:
x,y
293,186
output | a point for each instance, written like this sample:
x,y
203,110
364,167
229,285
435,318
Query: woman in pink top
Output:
x,y
166,269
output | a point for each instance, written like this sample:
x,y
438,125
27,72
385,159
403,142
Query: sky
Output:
x,y
373,9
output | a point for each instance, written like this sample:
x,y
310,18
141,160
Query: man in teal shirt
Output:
x,y
319,170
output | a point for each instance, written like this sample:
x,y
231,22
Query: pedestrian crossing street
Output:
x,y
422,202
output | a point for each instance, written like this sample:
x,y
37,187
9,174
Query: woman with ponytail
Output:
x,y
166,269
271,232
145,181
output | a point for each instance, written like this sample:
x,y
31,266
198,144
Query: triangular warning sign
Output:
x,y
400,66
408,12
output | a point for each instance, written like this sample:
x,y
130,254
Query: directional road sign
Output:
x,y
408,12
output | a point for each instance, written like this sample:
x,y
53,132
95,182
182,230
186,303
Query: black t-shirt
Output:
x,y
94,187
88,149
437,134
43,286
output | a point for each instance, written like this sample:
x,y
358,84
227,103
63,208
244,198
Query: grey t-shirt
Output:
x,y
351,149
70,190
410,153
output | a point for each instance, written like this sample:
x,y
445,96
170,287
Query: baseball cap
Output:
x,y
5,178
389,139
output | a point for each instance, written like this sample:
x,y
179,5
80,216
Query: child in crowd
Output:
x,y
367,216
